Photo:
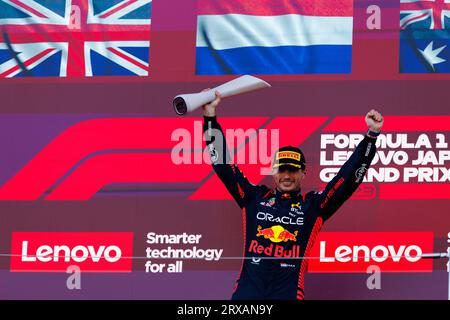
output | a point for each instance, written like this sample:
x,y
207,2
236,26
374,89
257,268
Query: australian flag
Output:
x,y
425,36
74,38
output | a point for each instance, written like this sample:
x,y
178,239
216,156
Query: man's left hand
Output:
x,y
374,120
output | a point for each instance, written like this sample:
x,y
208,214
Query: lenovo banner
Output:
x,y
356,251
56,251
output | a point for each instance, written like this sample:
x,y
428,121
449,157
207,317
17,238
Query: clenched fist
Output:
x,y
374,120
209,109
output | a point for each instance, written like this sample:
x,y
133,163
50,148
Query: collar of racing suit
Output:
x,y
293,196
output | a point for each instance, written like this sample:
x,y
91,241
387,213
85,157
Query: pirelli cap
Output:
x,y
289,156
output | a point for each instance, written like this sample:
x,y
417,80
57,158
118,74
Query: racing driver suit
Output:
x,y
280,226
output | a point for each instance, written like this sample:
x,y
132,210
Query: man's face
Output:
x,y
287,178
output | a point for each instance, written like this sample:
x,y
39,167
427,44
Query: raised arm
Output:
x,y
351,174
233,179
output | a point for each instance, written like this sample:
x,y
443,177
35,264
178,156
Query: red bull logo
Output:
x,y
274,250
277,234
266,233
286,236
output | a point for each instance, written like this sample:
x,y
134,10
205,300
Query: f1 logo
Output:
x,y
91,154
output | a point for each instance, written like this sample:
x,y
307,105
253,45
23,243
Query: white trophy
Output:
x,y
185,103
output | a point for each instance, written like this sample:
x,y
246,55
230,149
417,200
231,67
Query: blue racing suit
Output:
x,y
281,226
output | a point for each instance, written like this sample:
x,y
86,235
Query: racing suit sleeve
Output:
x,y
233,179
347,180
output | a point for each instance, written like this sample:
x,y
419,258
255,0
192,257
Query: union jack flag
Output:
x,y
428,14
75,38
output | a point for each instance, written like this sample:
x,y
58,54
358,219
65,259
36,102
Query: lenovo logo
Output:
x,y
78,253
55,251
356,251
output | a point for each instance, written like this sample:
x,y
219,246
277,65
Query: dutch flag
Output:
x,y
274,36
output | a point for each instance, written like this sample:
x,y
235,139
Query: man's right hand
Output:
x,y
209,110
